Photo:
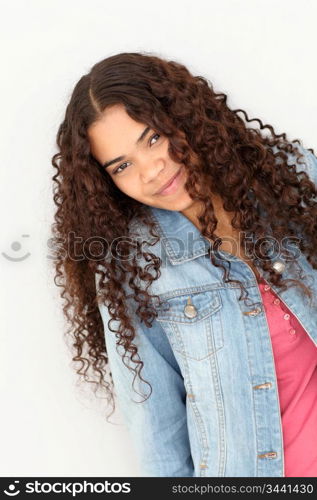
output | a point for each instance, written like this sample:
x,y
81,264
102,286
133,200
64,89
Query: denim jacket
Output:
x,y
214,408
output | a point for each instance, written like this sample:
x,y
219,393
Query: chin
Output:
x,y
178,204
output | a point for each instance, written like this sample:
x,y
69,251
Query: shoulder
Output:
x,y
311,164
306,163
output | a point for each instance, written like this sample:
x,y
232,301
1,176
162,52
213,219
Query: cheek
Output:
x,y
130,186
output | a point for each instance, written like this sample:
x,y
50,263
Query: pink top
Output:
x,y
295,357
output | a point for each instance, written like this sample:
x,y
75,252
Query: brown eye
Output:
x,y
117,170
121,167
152,138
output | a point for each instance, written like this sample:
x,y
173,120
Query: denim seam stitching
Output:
x,y
204,452
220,413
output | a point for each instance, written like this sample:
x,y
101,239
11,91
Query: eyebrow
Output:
x,y
119,158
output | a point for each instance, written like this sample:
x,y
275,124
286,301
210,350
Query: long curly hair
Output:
x,y
222,154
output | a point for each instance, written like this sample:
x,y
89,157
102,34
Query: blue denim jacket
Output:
x,y
214,408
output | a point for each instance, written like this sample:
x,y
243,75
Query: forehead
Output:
x,y
114,134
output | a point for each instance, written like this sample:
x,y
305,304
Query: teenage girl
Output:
x,y
186,253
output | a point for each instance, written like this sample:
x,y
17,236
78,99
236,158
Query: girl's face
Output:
x,y
137,160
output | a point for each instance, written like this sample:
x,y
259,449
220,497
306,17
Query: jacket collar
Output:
x,y
181,238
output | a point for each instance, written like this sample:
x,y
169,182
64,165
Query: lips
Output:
x,y
168,183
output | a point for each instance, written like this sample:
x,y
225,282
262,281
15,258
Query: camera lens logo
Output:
x,y
16,246
13,492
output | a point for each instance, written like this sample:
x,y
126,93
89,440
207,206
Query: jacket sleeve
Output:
x,y
158,425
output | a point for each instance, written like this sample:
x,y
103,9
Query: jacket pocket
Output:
x,y
192,322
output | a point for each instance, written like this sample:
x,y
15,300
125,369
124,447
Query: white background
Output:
x,y
262,54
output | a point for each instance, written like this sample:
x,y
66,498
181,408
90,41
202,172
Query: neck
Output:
x,y
223,217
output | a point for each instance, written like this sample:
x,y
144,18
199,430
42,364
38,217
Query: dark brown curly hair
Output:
x,y
221,153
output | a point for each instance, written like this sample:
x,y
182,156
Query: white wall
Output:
x,y
261,53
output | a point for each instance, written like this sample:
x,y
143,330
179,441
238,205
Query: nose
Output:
x,y
151,169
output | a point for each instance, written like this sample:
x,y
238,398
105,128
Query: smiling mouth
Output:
x,y
169,184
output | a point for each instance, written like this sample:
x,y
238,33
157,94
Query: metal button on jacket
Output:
x,y
278,266
190,310
254,312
